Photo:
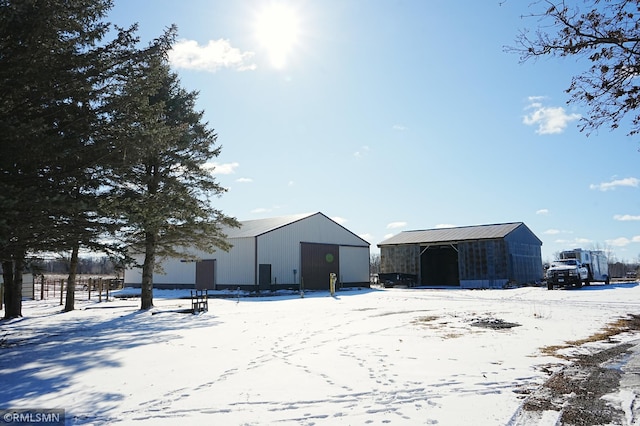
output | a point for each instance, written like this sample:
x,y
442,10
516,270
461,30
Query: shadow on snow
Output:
x,y
40,357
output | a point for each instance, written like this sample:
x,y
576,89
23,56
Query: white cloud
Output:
x,y
549,120
216,54
396,225
607,186
543,211
338,219
444,225
244,180
576,242
623,241
618,242
221,169
625,217
387,236
582,241
366,237
260,210
364,150
552,232
399,127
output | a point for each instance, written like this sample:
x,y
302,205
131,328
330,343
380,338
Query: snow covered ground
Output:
x,y
369,356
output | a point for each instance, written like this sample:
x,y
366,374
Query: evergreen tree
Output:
x,y
54,77
162,190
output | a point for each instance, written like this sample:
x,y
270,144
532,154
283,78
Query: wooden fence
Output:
x,y
85,287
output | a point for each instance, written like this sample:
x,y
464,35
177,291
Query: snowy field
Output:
x,y
367,356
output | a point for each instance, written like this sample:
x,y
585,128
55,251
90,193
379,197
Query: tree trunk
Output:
x,y
71,282
12,275
147,271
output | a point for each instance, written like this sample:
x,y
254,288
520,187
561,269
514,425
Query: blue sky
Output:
x,y
397,115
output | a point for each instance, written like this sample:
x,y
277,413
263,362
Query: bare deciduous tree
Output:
x,y
604,33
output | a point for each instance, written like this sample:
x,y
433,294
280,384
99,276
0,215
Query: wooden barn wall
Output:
x,y
404,259
525,252
483,260
526,262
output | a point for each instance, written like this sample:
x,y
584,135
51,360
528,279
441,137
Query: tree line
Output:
x,y
101,148
86,265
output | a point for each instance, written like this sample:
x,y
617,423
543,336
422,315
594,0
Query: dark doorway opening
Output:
x,y
205,274
264,276
439,266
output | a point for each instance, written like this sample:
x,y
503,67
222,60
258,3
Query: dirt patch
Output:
x,y
622,325
576,390
493,323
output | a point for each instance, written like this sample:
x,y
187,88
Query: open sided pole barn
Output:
x,y
299,251
484,256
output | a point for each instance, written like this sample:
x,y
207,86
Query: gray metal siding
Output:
x,y
273,241
354,265
238,265
281,249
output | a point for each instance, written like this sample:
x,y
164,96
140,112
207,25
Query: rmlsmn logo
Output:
x,y
32,416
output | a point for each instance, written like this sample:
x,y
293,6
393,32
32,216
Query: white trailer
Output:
x,y
594,260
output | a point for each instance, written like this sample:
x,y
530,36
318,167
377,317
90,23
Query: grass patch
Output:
x,y
425,319
622,325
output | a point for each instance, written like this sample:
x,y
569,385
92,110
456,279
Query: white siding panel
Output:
x,y
278,247
232,268
236,267
175,272
354,264
318,229
281,249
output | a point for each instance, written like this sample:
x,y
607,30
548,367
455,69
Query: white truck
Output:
x,y
577,267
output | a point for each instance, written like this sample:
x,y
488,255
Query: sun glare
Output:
x,y
277,30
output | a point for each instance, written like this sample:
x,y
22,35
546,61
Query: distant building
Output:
x,y
484,256
279,252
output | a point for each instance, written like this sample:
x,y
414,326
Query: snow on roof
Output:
x,y
443,235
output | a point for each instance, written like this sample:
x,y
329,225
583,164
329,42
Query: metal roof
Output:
x,y
256,227
451,235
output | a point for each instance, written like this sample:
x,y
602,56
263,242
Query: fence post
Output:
x,y
61,291
42,287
